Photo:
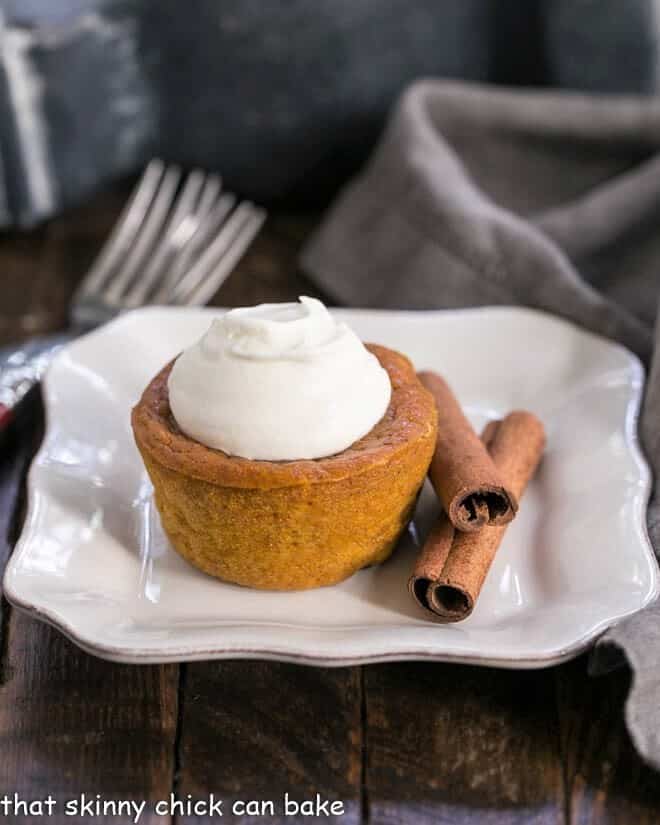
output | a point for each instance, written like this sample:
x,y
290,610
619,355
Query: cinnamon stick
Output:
x,y
452,566
468,483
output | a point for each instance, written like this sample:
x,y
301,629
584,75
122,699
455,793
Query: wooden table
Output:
x,y
396,743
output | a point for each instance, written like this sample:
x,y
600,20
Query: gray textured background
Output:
x,y
284,97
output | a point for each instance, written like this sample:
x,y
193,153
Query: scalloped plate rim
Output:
x,y
290,652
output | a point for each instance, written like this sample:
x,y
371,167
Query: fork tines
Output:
x,y
176,241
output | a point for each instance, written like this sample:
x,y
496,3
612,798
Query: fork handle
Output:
x,y
21,369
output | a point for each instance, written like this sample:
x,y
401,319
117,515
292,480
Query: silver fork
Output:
x,y
175,242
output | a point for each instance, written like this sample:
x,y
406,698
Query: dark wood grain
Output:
x,y
71,723
458,745
258,730
41,269
607,781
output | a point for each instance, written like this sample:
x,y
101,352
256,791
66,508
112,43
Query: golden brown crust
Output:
x,y
410,416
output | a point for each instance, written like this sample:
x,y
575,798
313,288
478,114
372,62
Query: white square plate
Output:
x,y
94,562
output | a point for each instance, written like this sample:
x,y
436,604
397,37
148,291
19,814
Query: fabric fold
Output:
x,y
416,230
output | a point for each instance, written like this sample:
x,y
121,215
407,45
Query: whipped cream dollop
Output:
x,y
278,382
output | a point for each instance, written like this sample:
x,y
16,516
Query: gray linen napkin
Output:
x,y
478,195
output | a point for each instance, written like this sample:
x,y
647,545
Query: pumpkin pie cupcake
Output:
x,y
284,453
